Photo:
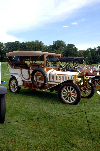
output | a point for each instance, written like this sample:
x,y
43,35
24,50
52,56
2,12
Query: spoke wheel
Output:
x,y
13,85
39,78
69,93
87,91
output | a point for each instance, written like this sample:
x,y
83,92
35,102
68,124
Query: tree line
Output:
x,y
58,47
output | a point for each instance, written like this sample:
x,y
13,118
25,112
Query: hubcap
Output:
x,y
68,94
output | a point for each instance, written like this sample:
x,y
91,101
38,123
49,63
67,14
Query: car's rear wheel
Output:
x,y
87,91
13,85
2,108
69,93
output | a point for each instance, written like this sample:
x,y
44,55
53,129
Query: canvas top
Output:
x,y
30,53
66,59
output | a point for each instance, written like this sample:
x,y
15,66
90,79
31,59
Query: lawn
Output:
x,y
38,121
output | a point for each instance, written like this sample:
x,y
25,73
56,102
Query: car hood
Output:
x,y
60,76
52,71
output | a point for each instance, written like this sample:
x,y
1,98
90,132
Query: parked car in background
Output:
x,y
73,64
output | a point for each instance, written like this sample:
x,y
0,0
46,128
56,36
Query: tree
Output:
x,y
12,46
23,46
34,46
80,53
57,47
92,56
98,53
70,51
2,53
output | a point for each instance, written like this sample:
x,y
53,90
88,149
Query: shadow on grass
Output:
x,y
49,97
45,96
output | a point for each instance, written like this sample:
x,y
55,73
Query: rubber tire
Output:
x,y
2,108
76,88
45,78
92,92
18,89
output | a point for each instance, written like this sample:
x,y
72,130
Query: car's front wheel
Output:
x,y
69,93
13,85
2,108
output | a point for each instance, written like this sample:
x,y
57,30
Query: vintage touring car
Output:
x,y
72,64
96,79
43,72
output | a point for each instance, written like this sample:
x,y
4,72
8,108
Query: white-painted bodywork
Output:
x,y
59,76
25,74
54,77
13,70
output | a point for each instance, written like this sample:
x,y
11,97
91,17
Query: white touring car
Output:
x,y
43,72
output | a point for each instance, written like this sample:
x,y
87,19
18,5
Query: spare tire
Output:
x,y
33,80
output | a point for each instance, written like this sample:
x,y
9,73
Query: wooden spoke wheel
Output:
x,y
69,93
13,85
39,75
87,91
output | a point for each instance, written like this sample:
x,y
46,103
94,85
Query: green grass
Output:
x,y
66,132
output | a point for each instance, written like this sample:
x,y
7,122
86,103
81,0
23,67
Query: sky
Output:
x,y
72,21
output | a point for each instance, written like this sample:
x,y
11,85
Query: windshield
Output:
x,y
51,61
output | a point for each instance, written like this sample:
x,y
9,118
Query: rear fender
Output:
x,y
20,82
